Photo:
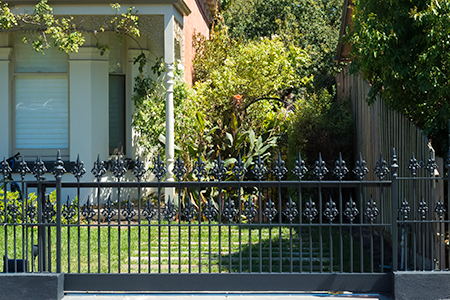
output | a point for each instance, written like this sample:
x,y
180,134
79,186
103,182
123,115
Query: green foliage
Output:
x,y
309,25
62,32
232,75
402,48
13,204
321,124
149,98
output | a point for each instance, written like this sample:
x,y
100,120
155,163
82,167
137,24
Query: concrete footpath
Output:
x,y
218,296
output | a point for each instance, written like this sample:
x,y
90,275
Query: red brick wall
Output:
x,y
197,21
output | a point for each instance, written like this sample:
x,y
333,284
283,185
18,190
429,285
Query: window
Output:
x,y
41,106
117,115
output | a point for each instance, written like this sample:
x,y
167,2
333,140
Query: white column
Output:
x,y
169,57
89,106
5,117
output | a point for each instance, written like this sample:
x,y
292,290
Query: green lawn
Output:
x,y
174,247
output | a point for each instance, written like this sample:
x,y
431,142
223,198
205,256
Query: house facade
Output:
x,y
80,103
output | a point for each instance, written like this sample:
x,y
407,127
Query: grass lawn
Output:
x,y
177,248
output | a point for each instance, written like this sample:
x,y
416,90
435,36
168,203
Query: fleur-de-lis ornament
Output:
x,y
381,169
404,209
229,212
299,169
250,210
270,211
210,211
351,211
179,170
330,210
279,170
290,212
78,169
413,166
139,169
371,210
360,169
319,168
239,168
310,211
109,212
340,169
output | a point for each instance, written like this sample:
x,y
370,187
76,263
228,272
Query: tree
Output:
x,y
310,25
243,88
403,48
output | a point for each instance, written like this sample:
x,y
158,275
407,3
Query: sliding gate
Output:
x,y
224,226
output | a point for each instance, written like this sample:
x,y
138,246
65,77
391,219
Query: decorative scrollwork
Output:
x,y
413,166
422,209
48,210
279,170
330,210
118,168
6,169
87,211
78,168
109,212
340,169
13,211
189,211
440,208
259,170
229,212
68,210
310,211
299,169
98,170
39,169
210,211
159,170
169,211
23,168
199,169
128,210
239,168
219,169
431,165
31,212
351,211
250,210
270,211
404,209
139,169
290,212
360,169
381,169
58,168
371,210
319,168
149,211
179,170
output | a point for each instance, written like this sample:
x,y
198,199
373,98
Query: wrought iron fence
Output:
x,y
221,222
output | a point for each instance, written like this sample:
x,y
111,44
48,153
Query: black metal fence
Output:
x,y
225,220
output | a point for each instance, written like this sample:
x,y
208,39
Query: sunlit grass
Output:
x,y
175,247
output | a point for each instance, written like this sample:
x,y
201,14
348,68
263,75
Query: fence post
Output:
x,y
58,171
41,228
394,169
